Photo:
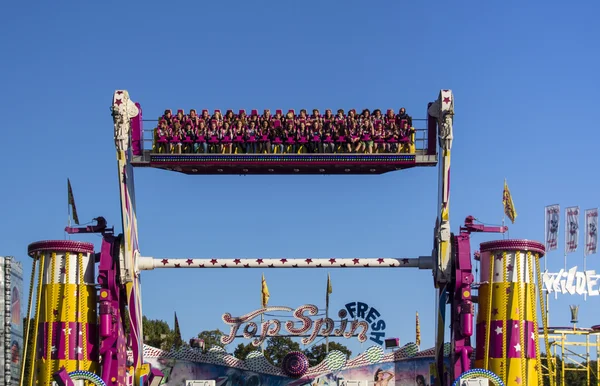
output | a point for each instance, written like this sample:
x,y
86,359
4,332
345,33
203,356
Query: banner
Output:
x,y
509,206
552,226
591,231
571,229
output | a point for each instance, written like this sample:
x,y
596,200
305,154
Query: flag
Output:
x,y
71,200
509,207
178,341
418,327
591,231
552,226
571,229
329,290
265,292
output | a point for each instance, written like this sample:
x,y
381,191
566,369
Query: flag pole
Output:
x,y
68,212
327,313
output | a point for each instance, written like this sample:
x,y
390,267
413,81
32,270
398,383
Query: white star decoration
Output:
x,y
80,332
79,350
53,348
67,331
516,325
518,347
533,336
498,330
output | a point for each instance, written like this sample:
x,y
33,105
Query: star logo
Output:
x,y
213,261
165,261
355,261
283,261
498,330
259,261
380,260
308,261
118,102
446,99
404,261
332,261
518,347
189,261
177,265
237,261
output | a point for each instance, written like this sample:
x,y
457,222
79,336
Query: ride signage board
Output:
x,y
572,282
358,319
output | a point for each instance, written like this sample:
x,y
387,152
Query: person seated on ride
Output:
x,y
365,116
188,137
327,136
367,132
302,117
315,117
407,133
242,117
353,132
403,116
168,117
180,116
226,138
161,135
265,117
229,117
254,118
214,134
194,118
379,138
177,135
327,118
239,131
217,116
276,135
201,134
205,116
377,115
289,135
389,116
278,116
315,133
340,116
342,139
251,138
392,137
263,135
302,137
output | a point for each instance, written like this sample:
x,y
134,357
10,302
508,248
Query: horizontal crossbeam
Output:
x,y
422,262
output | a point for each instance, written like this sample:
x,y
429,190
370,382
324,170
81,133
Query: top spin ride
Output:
x,y
99,352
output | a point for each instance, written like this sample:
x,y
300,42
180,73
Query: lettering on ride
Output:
x,y
364,322
572,282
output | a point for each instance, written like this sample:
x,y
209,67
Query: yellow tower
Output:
x,y
65,310
507,326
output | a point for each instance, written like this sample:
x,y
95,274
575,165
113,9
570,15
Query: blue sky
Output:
x,y
525,79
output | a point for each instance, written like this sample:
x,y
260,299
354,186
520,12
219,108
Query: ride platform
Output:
x,y
343,163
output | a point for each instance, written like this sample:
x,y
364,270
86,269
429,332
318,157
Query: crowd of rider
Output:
x,y
367,132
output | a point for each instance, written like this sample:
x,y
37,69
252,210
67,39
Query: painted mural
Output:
x,y
403,367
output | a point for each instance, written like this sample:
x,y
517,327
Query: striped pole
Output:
x,y
67,329
512,322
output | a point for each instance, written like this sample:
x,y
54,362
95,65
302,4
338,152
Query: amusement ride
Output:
x,y
87,313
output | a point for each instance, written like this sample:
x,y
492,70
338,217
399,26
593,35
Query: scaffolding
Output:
x,y
573,346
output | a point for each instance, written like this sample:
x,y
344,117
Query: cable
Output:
x,y
27,334
549,361
533,302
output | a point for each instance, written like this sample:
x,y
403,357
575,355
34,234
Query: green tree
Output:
x,y
242,350
157,333
211,338
278,347
316,354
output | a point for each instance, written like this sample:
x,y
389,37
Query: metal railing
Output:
x,y
421,137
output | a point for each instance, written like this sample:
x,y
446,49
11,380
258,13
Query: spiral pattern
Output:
x,y
479,373
335,360
86,376
295,364
374,354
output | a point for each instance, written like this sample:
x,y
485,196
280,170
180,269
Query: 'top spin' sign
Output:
x,y
357,319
